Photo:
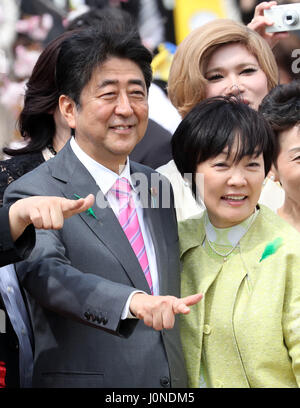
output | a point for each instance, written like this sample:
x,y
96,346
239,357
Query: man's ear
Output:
x,y
68,109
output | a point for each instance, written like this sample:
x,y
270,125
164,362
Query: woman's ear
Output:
x,y
68,110
273,174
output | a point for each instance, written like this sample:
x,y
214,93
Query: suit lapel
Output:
x,y
105,226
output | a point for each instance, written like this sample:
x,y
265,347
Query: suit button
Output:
x,y
87,315
206,329
104,320
99,319
165,382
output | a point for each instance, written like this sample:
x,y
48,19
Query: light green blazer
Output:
x,y
264,327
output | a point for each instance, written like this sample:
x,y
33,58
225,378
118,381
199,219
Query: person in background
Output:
x,y
17,238
281,108
222,57
40,123
107,284
239,254
287,58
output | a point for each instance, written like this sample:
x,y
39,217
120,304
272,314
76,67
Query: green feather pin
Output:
x,y
271,248
88,211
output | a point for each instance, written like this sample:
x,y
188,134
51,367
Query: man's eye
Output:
x,y
138,93
108,94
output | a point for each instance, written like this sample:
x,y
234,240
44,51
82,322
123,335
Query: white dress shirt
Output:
x,y
105,179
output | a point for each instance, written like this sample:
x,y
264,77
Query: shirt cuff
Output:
x,y
126,314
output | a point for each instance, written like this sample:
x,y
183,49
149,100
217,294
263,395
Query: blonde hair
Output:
x,y
187,84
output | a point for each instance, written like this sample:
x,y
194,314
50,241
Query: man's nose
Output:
x,y
123,106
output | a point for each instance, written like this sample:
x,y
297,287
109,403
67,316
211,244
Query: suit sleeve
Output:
x,y
51,281
11,252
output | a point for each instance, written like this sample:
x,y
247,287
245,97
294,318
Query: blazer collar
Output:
x,y
252,244
191,234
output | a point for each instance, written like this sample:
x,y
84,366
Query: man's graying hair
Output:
x,y
87,49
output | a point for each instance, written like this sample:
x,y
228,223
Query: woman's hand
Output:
x,y
260,22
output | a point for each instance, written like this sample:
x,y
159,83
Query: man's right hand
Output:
x,y
44,212
159,311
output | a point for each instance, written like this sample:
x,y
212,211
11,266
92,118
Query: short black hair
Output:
x,y
88,49
105,19
212,125
281,108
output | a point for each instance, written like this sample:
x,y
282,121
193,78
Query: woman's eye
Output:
x,y
220,164
253,164
214,77
248,71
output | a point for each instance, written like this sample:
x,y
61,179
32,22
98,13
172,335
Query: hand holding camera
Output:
x,y
285,17
260,23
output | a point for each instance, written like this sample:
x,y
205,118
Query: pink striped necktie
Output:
x,y
129,222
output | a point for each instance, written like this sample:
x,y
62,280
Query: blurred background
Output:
x,y
26,26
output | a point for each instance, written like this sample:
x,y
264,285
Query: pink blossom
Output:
x,y
24,61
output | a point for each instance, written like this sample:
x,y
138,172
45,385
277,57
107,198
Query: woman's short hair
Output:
x,y
281,108
215,124
186,85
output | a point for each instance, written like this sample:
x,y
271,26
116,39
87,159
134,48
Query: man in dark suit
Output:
x,y
95,321
17,238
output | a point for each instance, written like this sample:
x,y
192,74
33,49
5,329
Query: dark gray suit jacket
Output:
x,y
77,281
14,251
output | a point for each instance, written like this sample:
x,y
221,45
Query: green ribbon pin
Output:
x,y
271,248
88,211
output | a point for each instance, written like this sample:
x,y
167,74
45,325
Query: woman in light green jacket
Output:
x,y
240,255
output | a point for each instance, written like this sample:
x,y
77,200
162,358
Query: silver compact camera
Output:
x,y
286,17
